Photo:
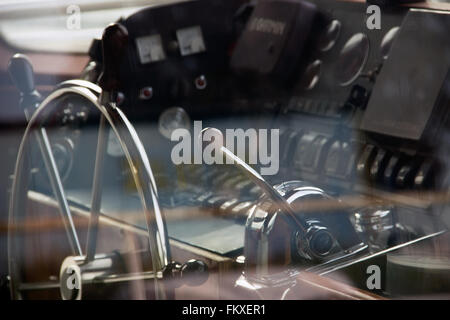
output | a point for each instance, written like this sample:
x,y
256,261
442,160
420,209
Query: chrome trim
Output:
x,y
258,180
91,243
336,265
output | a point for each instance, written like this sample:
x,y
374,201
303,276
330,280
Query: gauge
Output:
x,y
150,49
311,75
172,119
352,59
330,36
190,40
387,41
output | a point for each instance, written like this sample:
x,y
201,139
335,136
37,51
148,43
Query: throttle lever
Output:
x,y
21,73
256,178
114,44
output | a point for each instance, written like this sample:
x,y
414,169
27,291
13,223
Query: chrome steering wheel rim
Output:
x,y
136,157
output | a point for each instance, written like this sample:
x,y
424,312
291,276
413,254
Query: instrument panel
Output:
x,y
315,80
183,61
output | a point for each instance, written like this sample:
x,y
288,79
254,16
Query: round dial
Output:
x,y
330,36
387,41
352,59
311,75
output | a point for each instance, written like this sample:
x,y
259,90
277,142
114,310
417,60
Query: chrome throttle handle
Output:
x,y
256,178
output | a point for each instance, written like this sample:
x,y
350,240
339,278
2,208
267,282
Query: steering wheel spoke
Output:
x,y
91,244
58,190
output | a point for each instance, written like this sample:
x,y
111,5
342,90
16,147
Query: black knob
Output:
x,y
114,44
21,72
321,243
194,272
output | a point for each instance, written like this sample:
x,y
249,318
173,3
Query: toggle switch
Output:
x,y
406,174
365,161
424,176
379,164
391,171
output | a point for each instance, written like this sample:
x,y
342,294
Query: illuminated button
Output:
x,y
200,82
146,93
120,98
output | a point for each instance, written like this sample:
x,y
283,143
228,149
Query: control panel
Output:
x,y
339,92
